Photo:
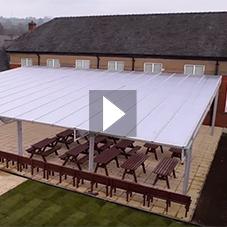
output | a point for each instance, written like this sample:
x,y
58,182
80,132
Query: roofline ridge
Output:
x,y
142,14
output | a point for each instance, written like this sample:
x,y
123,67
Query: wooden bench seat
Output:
x,y
30,150
50,151
83,159
104,146
148,192
63,156
133,151
181,199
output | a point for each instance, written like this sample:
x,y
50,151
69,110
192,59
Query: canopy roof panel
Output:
x,y
170,107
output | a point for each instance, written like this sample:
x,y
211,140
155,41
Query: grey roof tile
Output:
x,y
181,34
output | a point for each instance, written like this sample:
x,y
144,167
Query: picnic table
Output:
x,y
100,139
152,149
123,144
132,164
106,157
176,152
73,153
164,168
66,137
40,147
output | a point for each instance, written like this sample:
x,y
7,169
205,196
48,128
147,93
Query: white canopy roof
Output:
x,y
170,107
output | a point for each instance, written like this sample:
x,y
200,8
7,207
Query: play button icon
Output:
x,y
111,113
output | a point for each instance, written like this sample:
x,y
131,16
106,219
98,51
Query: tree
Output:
x,y
2,30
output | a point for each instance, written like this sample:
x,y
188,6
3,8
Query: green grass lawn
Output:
x,y
37,204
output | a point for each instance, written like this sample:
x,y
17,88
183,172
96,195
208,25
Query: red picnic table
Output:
x,y
164,168
132,164
123,144
40,147
66,137
106,157
73,153
152,149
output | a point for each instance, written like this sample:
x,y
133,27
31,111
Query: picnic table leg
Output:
x,y
123,177
167,182
66,160
106,170
156,179
31,155
155,154
124,153
44,159
79,166
143,168
174,174
161,149
116,159
96,168
147,151
134,174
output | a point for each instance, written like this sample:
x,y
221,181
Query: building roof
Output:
x,y
5,41
4,64
179,34
170,107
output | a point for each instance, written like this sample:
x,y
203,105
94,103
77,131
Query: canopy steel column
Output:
x,y
187,169
214,113
91,152
19,138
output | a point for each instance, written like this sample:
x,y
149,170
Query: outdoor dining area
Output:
x,y
108,149
129,163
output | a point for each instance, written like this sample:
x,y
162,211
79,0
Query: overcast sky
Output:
x,y
57,8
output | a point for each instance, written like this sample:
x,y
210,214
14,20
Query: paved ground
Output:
x,y
9,181
212,205
202,155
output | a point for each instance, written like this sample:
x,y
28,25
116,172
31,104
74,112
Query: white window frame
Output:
x,y
26,62
83,63
194,67
53,60
152,63
115,65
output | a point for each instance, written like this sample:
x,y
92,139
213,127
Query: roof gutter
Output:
x,y
208,58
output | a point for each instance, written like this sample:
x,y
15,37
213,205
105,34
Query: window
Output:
x,y
194,69
116,65
53,62
82,64
26,62
152,67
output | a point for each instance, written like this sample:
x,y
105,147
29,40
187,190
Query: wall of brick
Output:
x,y
13,66
221,117
169,65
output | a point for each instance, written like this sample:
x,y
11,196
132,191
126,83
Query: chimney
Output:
x,y
31,25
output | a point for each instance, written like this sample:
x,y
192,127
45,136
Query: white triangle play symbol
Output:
x,y
111,113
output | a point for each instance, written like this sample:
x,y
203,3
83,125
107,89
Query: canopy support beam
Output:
x,y
19,138
187,169
214,113
91,152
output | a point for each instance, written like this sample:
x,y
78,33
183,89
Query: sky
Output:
x,y
58,8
